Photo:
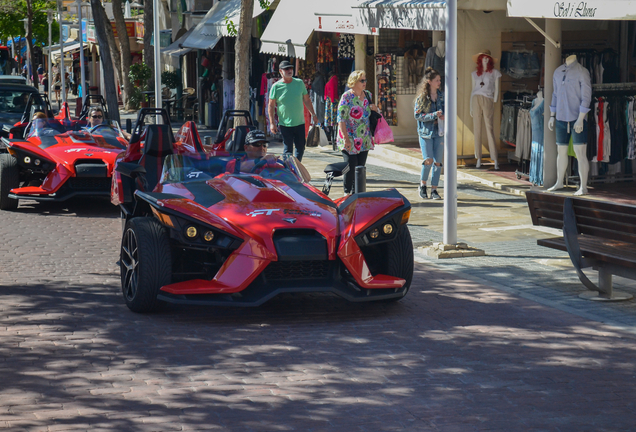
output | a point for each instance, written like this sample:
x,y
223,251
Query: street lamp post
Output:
x,y
81,41
62,75
157,52
49,20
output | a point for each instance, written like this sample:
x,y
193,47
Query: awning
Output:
x,y
289,28
213,26
171,54
403,14
337,16
587,10
68,48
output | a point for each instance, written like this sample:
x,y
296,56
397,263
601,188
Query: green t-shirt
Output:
x,y
289,100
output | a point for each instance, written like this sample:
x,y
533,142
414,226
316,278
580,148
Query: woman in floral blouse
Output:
x,y
354,136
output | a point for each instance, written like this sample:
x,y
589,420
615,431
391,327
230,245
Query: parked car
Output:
x,y
13,101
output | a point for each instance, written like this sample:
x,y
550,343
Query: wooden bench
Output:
x,y
596,234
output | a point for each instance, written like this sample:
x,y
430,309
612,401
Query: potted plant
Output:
x,y
170,79
139,74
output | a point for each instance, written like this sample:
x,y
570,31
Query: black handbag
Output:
x,y
374,117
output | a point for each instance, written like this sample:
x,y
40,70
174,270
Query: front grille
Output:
x,y
285,270
89,183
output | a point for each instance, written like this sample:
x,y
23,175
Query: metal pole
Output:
x,y
28,52
81,41
157,51
49,19
450,126
360,179
62,77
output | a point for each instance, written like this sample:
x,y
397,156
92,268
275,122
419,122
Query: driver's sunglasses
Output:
x,y
261,144
97,116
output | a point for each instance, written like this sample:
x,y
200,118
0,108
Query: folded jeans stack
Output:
x,y
520,64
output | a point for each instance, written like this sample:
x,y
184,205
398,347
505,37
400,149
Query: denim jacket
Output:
x,y
427,121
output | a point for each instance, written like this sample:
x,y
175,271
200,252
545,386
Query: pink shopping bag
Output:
x,y
383,133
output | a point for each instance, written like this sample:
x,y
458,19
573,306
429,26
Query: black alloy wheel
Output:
x,y
145,262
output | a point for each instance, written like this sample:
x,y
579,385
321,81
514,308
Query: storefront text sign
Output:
x,y
577,10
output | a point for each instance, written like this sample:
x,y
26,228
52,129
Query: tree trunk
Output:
x,y
149,54
29,41
241,58
115,54
124,44
101,20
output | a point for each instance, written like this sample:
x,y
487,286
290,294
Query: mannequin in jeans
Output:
x,y
566,127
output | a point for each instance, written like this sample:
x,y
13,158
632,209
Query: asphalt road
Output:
x,y
454,355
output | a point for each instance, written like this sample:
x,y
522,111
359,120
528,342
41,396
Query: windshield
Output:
x,y
183,169
13,101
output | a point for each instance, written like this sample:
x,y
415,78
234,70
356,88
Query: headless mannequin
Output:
x,y
539,96
580,150
440,49
496,97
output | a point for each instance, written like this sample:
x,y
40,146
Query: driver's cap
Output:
x,y
255,136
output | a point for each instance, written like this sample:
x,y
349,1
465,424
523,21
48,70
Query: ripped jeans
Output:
x,y
432,148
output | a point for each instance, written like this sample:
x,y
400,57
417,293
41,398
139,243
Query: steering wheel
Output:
x,y
261,163
99,126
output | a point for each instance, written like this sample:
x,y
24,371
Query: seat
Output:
x,y
159,143
188,104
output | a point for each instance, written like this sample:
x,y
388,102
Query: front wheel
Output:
x,y
145,262
400,259
9,179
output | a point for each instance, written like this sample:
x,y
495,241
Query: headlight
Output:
x,y
387,229
37,162
208,236
191,232
374,234
27,160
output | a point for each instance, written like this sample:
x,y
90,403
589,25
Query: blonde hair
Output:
x,y
355,76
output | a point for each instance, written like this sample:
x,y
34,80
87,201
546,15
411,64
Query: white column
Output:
x,y
361,51
450,126
552,62
49,19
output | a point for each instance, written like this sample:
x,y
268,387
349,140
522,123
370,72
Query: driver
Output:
x,y
255,152
38,123
95,118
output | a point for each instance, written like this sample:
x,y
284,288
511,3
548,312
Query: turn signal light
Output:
x,y
406,216
164,218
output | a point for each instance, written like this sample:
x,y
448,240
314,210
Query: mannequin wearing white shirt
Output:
x,y
579,149
488,118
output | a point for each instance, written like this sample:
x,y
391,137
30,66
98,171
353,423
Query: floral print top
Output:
x,y
355,113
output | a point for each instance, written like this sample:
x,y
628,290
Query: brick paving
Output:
x,y
467,350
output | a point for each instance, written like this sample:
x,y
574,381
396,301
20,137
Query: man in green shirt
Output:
x,y
289,95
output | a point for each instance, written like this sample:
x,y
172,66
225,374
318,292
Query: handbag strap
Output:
x,y
368,96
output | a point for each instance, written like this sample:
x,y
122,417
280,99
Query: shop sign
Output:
x,y
130,28
577,10
90,33
139,30
65,32
84,31
340,24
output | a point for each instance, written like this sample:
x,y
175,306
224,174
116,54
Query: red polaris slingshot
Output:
x,y
195,233
53,164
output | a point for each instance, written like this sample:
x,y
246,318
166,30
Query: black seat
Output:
x,y
159,143
337,168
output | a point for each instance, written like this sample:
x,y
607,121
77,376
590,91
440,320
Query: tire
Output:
x,y
400,259
9,179
145,263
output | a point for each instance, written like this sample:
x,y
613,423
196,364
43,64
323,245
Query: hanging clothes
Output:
x,y
536,154
332,98
325,51
346,46
228,94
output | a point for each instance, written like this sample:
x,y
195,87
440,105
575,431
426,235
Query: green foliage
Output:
x,y
135,98
170,79
231,28
13,11
140,72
